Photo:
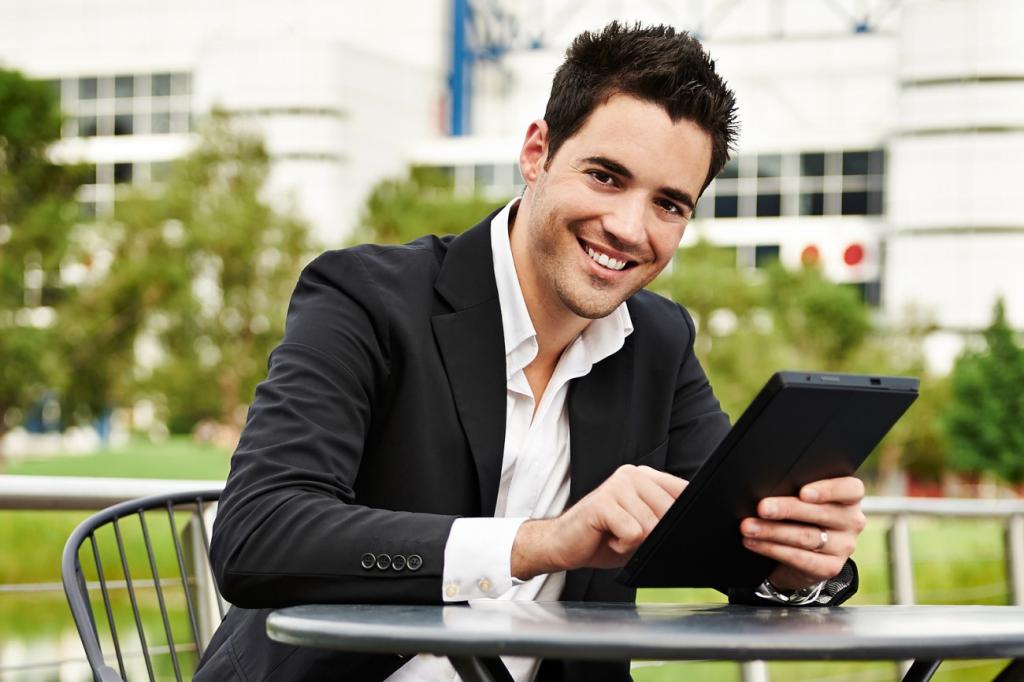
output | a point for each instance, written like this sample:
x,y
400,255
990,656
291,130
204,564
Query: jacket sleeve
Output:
x,y
289,529
698,426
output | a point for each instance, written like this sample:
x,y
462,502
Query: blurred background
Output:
x,y
166,169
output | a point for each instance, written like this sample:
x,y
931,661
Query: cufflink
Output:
x,y
368,561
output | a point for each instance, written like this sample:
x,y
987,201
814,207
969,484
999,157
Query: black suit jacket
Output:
x,y
382,420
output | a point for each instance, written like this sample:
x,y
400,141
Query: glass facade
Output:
x,y
126,104
814,183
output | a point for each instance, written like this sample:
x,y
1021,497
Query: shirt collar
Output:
x,y
601,338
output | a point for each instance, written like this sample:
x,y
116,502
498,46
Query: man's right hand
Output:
x,y
602,530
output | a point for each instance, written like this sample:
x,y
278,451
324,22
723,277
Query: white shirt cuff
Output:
x,y
478,558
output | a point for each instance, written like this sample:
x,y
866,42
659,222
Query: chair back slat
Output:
x,y
106,605
159,595
80,575
76,584
131,597
183,572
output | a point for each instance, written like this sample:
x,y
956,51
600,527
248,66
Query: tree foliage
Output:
x,y
37,210
983,422
194,299
402,209
755,322
238,258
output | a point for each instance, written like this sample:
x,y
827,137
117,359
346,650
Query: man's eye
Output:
x,y
602,177
670,207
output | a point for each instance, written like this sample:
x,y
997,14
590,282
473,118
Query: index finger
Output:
x,y
673,485
844,490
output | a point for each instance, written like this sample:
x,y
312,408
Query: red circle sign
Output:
x,y
810,255
853,254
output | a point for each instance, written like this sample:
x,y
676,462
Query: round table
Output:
x,y
660,631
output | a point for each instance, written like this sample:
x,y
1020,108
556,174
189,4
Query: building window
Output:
x,y
769,165
765,255
812,164
87,126
812,183
731,170
126,104
812,203
124,86
161,84
769,205
87,88
122,173
726,206
123,124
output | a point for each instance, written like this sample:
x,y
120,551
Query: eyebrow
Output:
x,y
620,170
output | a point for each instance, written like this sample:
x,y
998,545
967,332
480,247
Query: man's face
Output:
x,y
606,215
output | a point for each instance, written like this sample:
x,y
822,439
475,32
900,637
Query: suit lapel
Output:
x,y
472,347
598,436
598,421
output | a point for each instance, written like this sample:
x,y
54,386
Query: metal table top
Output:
x,y
658,631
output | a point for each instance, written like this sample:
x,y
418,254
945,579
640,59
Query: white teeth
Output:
x,y
604,260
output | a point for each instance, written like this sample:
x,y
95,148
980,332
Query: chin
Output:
x,y
591,309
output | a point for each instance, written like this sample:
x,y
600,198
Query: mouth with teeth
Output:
x,y
604,260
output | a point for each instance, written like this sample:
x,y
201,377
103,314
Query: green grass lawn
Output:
x,y
177,457
955,562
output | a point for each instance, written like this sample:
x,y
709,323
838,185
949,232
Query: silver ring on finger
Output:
x,y
823,540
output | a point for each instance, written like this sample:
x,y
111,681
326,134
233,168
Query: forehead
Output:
x,y
641,136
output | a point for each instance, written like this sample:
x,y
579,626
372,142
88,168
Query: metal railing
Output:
x,y
80,493
71,493
899,510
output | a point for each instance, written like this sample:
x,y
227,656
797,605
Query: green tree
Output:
x,y
983,422
201,272
400,210
755,322
37,210
824,321
241,258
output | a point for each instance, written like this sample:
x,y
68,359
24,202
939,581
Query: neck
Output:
x,y
556,326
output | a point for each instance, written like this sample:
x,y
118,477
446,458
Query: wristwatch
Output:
x,y
800,597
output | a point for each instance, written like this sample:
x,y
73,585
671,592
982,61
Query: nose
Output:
x,y
625,222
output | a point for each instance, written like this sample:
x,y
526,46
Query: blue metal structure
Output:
x,y
482,30
485,31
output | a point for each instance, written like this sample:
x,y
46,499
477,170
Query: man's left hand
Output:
x,y
791,530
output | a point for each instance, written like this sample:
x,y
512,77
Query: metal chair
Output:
x,y
129,553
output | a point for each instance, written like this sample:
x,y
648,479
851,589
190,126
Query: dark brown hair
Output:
x,y
653,63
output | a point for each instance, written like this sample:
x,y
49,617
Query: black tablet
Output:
x,y
802,427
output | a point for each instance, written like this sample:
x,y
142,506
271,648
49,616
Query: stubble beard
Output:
x,y
578,292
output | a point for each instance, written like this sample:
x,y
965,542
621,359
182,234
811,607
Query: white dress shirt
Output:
x,y
535,462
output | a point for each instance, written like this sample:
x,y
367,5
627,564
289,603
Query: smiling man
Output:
x,y
506,414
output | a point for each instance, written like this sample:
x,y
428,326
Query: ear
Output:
x,y
534,153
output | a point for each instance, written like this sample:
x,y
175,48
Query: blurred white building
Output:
x,y
339,89
882,138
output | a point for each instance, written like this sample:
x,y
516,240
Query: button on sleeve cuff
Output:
x,y
478,558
